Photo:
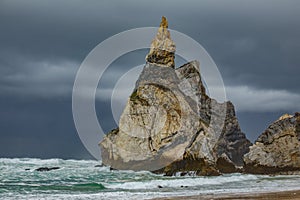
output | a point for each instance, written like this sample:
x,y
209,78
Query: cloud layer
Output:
x,y
263,100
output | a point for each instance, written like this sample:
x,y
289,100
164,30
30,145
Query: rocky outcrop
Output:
x,y
171,125
46,169
277,150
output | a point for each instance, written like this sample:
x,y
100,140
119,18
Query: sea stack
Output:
x,y
170,125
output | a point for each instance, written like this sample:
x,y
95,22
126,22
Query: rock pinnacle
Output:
x,y
162,49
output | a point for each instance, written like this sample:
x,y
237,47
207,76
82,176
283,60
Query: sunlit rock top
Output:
x,y
162,50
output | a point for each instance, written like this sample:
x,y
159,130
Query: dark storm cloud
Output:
x,y
255,44
38,127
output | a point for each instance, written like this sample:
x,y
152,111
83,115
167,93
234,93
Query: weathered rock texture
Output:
x,y
277,150
171,125
162,50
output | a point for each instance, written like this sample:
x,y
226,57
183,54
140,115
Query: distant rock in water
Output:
x,y
45,169
171,125
277,149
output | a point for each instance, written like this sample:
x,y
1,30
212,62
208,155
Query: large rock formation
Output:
x,y
171,125
277,150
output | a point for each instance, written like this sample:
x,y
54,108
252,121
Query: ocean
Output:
x,y
83,179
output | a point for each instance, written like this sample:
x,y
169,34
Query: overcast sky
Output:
x,y
255,45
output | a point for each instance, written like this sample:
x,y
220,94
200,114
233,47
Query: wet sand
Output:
x,y
295,194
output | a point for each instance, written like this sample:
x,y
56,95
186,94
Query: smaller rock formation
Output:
x,y
277,150
162,50
46,169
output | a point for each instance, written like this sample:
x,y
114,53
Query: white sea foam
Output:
x,y
80,179
38,161
182,182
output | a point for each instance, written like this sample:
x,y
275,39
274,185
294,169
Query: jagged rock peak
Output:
x,y
164,22
285,116
162,49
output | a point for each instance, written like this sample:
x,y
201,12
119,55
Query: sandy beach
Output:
x,y
294,194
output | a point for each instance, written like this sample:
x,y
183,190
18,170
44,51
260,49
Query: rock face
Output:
x,y
277,150
171,125
162,50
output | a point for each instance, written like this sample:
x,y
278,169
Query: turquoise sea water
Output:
x,y
80,179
